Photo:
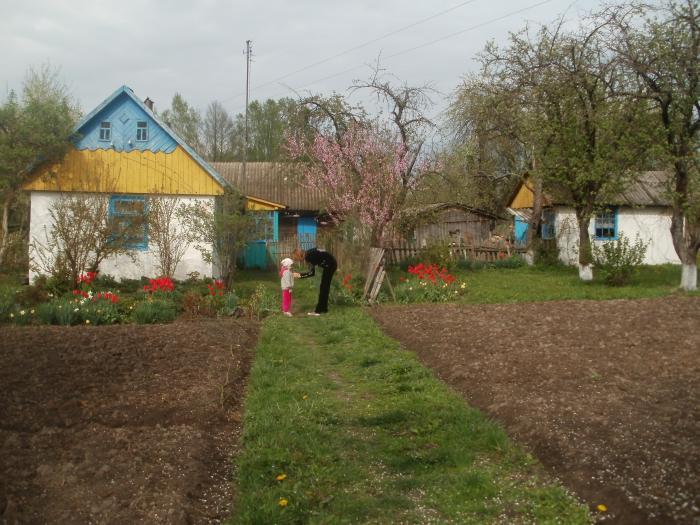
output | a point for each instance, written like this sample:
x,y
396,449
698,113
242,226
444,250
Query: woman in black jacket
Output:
x,y
315,257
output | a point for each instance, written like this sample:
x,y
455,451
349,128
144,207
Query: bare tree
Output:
x,y
217,128
82,234
169,237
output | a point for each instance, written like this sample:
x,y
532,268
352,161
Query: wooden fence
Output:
x,y
398,252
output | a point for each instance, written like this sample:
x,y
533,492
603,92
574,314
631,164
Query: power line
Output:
x,y
472,28
360,46
451,35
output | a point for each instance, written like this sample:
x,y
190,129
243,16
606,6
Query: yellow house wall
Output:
x,y
523,199
109,171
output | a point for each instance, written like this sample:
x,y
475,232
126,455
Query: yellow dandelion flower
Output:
x,y
283,502
281,477
31,312
602,508
305,397
87,321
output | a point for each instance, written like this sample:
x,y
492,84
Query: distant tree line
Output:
x,y
220,136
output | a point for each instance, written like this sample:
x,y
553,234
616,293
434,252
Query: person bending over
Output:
x,y
316,257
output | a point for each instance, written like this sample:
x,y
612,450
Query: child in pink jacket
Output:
x,y
287,283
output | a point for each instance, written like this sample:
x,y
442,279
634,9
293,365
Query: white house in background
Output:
x,y
643,209
123,151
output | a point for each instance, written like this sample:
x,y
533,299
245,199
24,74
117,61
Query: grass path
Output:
x,y
343,426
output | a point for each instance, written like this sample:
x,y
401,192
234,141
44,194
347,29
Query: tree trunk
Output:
x,y
4,240
534,223
585,255
686,236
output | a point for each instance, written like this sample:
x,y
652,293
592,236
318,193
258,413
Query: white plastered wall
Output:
x,y
119,267
651,224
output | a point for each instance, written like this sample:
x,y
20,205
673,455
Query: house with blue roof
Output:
x,y
122,151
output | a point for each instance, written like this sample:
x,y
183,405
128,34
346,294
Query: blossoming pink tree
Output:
x,y
367,168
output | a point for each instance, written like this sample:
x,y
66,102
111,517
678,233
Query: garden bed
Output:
x,y
121,424
606,394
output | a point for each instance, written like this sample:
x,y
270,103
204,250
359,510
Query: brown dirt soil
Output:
x,y
121,424
606,394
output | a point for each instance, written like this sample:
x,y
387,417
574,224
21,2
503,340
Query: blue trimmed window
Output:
x,y
123,208
606,225
548,231
105,130
141,130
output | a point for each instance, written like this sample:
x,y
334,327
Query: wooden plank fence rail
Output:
x,y
399,252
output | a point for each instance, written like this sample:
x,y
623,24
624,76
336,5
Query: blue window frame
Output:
x,y
105,130
606,225
142,130
548,230
123,208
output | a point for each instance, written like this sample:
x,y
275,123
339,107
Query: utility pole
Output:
x,y
248,51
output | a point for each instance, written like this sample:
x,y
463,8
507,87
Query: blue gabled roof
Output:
x,y
126,90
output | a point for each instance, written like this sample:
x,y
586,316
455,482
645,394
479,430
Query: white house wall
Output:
x,y
119,267
651,224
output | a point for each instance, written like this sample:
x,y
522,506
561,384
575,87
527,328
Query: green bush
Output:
x,y
59,311
100,312
618,260
151,311
438,252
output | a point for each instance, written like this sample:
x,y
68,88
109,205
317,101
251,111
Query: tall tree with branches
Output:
x,y
588,142
34,129
663,53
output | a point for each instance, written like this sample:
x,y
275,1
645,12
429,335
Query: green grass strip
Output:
x,y
361,432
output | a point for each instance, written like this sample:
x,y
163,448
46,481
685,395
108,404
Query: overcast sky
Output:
x,y
160,47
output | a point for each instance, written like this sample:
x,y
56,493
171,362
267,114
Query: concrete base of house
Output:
x,y
529,257
585,272
689,277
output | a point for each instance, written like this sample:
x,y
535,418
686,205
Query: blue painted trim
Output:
x,y
615,237
275,225
113,199
128,91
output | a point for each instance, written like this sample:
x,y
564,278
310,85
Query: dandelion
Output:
x,y
602,508
283,502
87,321
22,312
12,316
305,397
31,311
281,477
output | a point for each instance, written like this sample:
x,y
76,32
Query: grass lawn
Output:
x,y
561,283
342,426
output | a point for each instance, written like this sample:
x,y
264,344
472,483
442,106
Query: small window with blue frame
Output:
x,y
105,130
130,214
606,225
141,130
548,231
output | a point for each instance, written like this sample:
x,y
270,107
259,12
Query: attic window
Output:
x,y
142,130
606,225
105,130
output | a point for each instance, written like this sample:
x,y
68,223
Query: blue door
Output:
x,y
306,232
520,232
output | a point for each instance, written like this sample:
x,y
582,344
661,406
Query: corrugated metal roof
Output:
x,y
272,181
